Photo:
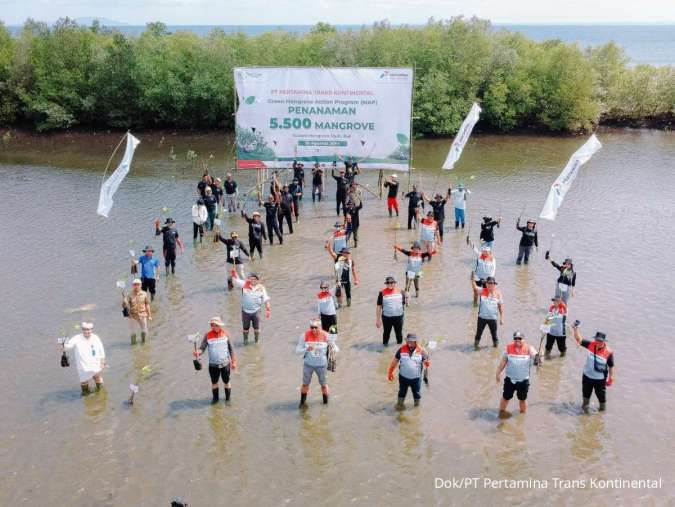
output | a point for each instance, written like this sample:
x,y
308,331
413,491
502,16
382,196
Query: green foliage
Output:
x,y
54,78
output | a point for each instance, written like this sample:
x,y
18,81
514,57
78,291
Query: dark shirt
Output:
x,y
230,187
210,201
299,174
415,198
610,358
295,190
566,277
286,200
487,230
439,209
317,176
351,174
255,229
393,188
169,237
529,236
201,186
408,252
217,192
230,244
271,212
342,183
353,210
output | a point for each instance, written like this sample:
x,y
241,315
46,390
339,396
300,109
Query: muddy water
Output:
x,y
58,255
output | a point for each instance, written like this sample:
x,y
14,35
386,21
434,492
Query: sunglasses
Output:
x,y
324,288
518,338
314,327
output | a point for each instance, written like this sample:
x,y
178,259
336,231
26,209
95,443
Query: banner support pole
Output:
x,y
412,105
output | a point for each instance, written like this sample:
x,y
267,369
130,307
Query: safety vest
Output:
x,y
410,365
485,268
518,362
414,262
326,303
488,306
392,302
428,230
557,314
217,345
252,298
596,361
339,240
318,356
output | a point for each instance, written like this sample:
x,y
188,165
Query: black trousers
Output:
x,y
440,227
411,216
286,213
170,258
272,227
392,322
197,229
148,285
347,287
296,207
588,385
560,340
354,232
327,321
253,244
492,324
412,383
340,199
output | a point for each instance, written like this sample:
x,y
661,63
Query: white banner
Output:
x,y
563,183
323,115
462,136
110,186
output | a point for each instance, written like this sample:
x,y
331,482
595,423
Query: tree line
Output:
x,y
66,75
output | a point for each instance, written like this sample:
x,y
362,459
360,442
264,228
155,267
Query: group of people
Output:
x,y
318,344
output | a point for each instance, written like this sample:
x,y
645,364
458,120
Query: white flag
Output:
x,y
111,185
563,183
462,136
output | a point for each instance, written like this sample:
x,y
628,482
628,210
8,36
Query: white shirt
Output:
x,y
252,298
89,355
459,198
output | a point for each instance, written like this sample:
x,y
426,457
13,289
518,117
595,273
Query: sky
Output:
x,y
305,12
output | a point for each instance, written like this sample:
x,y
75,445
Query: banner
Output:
x,y
323,115
563,183
110,186
462,136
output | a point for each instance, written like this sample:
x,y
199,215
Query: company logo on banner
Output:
x,y
318,115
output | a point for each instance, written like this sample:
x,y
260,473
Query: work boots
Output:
x,y
216,396
585,405
603,406
399,404
303,399
142,337
416,402
85,389
133,339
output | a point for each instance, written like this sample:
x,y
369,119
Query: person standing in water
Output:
x,y
414,199
485,267
517,359
341,190
253,297
295,189
211,203
170,240
256,233
326,307
566,281
429,233
345,272
231,192
286,209
217,190
138,305
352,219
89,356
556,318
411,359
272,220
199,217
391,302
391,184
413,269
459,203
599,368
234,251
438,207
149,271
487,234
221,357
338,239
527,240
490,310
317,182
313,345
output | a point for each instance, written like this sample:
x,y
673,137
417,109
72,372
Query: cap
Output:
x,y
338,224
216,321
487,219
460,186
430,213
255,213
234,234
169,221
315,323
137,281
531,221
200,201
390,279
518,334
148,249
87,325
254,275
394,176
568,260
600,336
416,244
491,279
411,337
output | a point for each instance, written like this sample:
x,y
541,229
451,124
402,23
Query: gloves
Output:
x,y
390,374
427,363
233,363
609,382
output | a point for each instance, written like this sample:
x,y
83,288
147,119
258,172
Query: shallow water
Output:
x,y
59,255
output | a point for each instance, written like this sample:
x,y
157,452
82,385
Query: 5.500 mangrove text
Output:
x,y
306,123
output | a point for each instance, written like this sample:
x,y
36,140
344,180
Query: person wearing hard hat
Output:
x,y
411,359
517,360
89,356
221,357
